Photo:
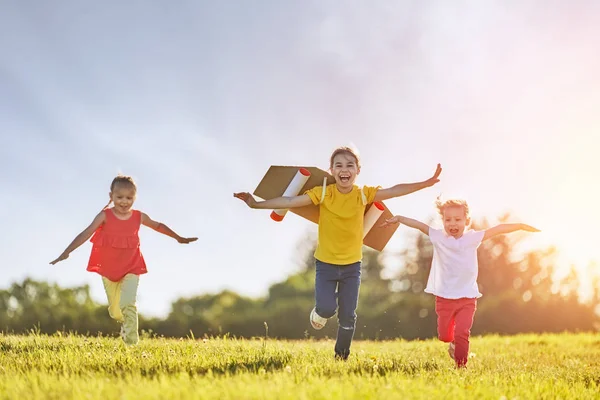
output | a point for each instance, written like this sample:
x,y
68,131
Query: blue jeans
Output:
x,y
336,287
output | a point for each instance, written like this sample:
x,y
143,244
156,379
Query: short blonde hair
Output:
x,y
441,205
346,151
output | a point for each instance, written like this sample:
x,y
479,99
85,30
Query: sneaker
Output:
x,y
451,349
316,321
342,355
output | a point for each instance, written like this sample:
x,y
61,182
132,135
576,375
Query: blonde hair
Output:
x,y
121,181
345,150
441,205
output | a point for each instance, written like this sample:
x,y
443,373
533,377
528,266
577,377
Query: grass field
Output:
x,y
74,367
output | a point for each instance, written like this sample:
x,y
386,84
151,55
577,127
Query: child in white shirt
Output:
x,y
453,276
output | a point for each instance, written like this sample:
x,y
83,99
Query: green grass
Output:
x,y
524,367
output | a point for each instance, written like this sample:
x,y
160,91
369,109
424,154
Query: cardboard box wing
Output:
x,y
277,179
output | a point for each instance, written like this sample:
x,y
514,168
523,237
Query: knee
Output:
x,y
326,312
445,337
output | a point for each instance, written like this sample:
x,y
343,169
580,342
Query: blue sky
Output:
x,y
195,99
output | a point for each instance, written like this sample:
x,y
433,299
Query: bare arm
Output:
x,y
413,223
81,238
165,230
275,203
403,189
507,228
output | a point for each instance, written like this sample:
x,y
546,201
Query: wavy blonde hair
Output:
x,y
441,205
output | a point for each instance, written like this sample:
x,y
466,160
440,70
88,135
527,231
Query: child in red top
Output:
x,y
116,254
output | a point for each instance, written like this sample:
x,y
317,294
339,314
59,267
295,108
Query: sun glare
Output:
x,y
576,246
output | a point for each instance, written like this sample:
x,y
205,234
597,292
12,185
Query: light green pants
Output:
x,y
122,307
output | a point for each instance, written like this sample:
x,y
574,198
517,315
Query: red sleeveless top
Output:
x,y
116,247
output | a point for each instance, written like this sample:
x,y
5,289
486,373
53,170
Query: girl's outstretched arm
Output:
x,y
82,237
165,230
275,203
407,188
413,223
507,228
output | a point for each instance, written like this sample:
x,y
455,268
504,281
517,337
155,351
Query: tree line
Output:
x,y
520,295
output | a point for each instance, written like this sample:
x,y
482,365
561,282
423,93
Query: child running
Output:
x,y
453,276
116,254
340,238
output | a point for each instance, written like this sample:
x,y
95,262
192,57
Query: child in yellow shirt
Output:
x,y
339,249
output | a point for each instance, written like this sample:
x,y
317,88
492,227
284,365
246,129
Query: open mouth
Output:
x,y
344,179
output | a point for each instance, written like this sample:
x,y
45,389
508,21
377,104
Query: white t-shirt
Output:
x,y
454,267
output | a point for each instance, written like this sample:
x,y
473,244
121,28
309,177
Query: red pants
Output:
x,y
455,319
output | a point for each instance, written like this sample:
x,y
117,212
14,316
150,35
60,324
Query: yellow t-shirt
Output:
x,y
341,217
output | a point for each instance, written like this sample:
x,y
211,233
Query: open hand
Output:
x,y
186,240
247,198
435,178
392,221
63,256
529,228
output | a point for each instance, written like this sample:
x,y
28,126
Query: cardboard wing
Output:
x,y
278,178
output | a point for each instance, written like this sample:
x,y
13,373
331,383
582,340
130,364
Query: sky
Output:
x,y
196,99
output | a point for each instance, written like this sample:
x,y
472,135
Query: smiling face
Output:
x,y
455,220
123,197
344,168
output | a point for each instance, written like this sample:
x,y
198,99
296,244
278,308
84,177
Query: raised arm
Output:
x,y
413,223
276,202
507,228
165,230
407,188
81,238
